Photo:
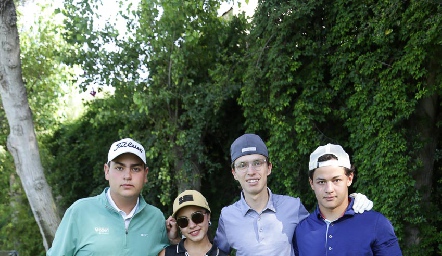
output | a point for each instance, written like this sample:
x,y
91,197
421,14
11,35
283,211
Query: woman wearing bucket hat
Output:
x,y
192,214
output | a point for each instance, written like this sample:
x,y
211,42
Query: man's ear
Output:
x,y
269,171
234,174
106,171
350,179
311,183
146,170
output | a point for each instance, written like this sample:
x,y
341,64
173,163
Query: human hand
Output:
x,y
362,203
172,230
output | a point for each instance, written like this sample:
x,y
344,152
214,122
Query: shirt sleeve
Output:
x,y
220,237
164,237
295,245
65,237
386,243
302,213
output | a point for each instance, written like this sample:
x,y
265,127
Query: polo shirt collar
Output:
x,y
348,212
122,213
245,207
213,251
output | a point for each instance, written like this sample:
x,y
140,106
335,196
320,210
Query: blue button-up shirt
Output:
x,y
269,232
369,233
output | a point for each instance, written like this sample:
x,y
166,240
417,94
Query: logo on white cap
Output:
x,y
126,145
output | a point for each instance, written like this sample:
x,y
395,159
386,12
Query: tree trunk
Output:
x,y
187,178
424,123
22,142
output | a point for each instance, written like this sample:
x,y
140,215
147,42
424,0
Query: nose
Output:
x,y
127,174
328,187
250,170
191,223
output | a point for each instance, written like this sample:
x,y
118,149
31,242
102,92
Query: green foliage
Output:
x,y
80,152
363,75
186,43
170,70
19,230
46,80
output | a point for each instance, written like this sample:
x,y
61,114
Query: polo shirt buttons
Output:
x,y
330,236
329,248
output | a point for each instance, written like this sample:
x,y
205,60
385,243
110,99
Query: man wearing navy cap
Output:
x,y
334,228
118,221
260,223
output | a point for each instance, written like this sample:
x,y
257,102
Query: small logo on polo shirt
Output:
x,y
102,230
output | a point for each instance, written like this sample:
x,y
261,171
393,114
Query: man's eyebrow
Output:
x,y
334,177
137,164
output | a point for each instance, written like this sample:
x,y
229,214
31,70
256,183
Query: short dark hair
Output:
x,y
327,157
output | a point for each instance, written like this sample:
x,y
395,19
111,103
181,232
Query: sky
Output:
x,y
247,8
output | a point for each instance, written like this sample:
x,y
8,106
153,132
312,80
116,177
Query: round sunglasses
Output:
x,y
196,217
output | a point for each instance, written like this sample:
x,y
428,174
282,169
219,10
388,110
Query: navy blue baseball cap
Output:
x,y
248,144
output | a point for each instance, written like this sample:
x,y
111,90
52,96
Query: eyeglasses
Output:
x,y
243,166
196,217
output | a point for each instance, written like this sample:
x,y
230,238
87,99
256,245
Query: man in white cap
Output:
x,y
118,221
260,223
334,228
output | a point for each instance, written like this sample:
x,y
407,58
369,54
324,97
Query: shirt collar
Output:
x,y
348,211
245,207
122,213
180,248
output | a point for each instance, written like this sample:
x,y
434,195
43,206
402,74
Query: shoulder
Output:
x,y
151,210
171,248
84,203
290,207
175,249
222,253
283,199
236,206
309,220
377,218
370,215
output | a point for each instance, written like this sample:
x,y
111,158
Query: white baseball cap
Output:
x,y
126,145
336,150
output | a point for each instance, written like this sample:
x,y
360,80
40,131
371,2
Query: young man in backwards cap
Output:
x,y
334,228
260,223
118,221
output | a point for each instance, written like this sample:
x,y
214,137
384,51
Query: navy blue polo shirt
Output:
x,y
369,233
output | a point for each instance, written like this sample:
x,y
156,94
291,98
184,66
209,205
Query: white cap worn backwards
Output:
x,y
336,150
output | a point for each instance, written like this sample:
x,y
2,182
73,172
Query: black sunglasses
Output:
x,y
196,217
